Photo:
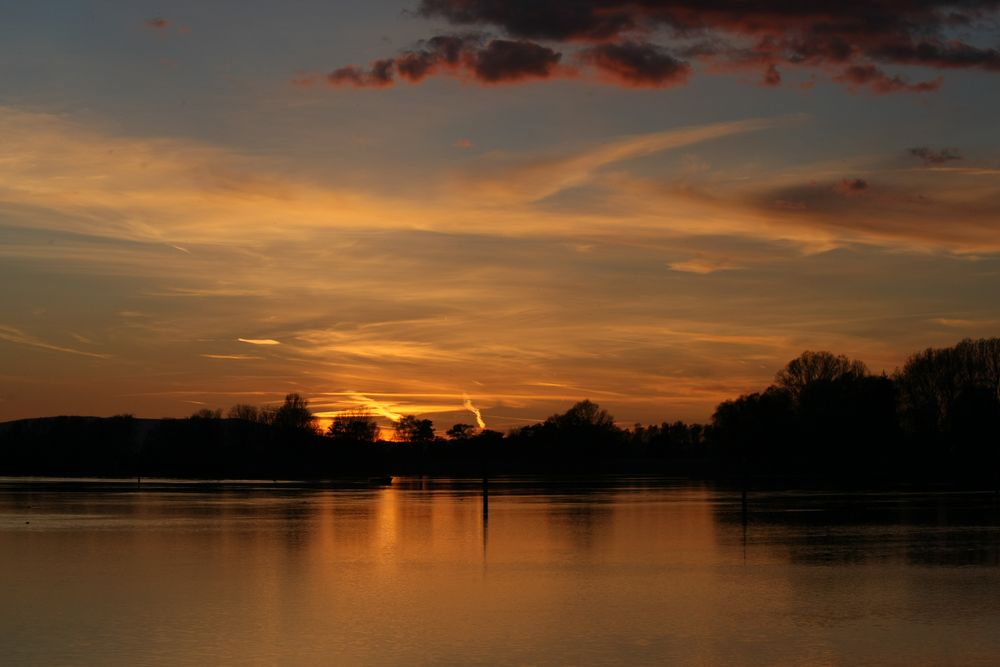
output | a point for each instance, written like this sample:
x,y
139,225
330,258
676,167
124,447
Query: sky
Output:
x,y
434,206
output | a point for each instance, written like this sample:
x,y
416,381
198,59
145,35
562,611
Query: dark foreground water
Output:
x,y
629,573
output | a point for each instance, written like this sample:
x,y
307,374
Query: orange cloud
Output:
x,y
259,341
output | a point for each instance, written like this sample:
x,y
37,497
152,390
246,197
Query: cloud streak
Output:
x,y
231,357
259,341
161,192
518,179
19,337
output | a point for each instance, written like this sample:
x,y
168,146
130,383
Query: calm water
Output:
x,y
635,572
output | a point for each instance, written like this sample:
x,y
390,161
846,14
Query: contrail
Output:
x,y
379,408
467,403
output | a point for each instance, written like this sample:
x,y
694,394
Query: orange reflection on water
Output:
x,y
636,572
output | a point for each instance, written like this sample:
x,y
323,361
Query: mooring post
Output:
x,y
744,514
486,496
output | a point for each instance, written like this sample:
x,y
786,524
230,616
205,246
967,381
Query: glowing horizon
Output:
x,y
188,220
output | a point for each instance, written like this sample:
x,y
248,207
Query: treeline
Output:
x,y
825,415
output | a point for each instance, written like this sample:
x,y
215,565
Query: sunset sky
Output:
x,y
410,205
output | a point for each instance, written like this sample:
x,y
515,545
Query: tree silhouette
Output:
x,y
250,413
933,382
938,417
756,426
572,439
810,367
355,426
294,415
584,415
411,429
461,431
848,422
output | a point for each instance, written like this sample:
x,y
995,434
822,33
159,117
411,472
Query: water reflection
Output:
x,y
949,529
635,571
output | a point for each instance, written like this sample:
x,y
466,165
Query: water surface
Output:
x,y
635,571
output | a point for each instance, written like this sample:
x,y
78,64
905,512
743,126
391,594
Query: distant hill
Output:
x,y
41,425
125,446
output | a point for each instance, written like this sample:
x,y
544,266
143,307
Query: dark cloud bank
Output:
x,y
652,43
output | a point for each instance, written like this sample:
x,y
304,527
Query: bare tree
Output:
x,y
245,412
294,414
933,381
811,367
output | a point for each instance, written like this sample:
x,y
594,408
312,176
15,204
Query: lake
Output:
x,y
629,571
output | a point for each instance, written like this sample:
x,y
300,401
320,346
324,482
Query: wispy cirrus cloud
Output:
x,y
517,178
163,193
702,265
171,191
17,336
231,357
369,345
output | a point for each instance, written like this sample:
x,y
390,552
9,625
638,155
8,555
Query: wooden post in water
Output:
x,y
743,503
486,516
486,497
485,462
484,454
